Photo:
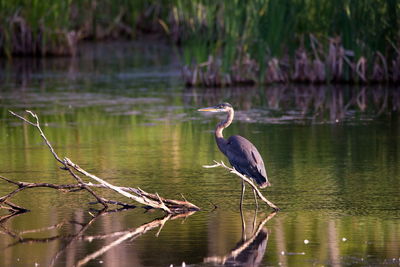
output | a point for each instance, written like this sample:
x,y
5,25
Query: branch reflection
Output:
x,y
69,240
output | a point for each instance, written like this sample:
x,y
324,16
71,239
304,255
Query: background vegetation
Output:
x,y
227,41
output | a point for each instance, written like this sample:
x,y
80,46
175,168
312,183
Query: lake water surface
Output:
x,y
121,112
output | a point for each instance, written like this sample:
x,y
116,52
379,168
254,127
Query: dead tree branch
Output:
x,y
62,187
37,126
153,200
247,180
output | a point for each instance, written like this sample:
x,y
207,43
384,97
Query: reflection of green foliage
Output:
x,y
333,181
122,145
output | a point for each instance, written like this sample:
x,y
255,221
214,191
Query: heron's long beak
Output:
x,y
212,109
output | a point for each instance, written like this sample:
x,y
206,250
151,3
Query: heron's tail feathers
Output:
x,y
261,181
257,176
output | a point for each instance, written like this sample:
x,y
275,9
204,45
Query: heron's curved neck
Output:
x,y
221,142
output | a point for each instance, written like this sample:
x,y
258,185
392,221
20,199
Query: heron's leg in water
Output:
x,y
242,196
255,198
243,224
255,220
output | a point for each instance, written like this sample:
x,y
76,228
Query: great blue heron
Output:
x,y
242,154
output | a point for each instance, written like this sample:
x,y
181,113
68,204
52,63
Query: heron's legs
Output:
x,y
255,198
242,196
255,220
243,224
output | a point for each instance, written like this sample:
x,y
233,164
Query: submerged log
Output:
x,y
170,206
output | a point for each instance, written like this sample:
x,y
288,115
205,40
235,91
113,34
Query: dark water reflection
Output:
x,y
304,103
332,155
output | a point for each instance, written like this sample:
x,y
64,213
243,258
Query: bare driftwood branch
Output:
x,y
62,187
247,180
170,206
37,126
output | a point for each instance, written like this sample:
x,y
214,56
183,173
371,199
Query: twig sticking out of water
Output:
x,y
247,180
170,206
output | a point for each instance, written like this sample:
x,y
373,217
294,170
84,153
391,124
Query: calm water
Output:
x,y
121,112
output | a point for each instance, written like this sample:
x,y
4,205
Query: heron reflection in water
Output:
x,y
249,251
242,154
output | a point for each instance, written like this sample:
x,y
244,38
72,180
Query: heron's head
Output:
x,y
223,107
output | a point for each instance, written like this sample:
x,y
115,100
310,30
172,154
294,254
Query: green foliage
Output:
x,y
34,27
277,25
226,29
267,29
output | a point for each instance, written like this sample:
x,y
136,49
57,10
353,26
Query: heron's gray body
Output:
x,y
246,159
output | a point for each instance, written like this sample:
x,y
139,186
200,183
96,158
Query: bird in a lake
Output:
x,y
242,154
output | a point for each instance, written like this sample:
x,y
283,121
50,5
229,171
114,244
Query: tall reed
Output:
x,y
34,27
278,34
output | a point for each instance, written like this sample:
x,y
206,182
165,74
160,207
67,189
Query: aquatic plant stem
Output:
x,y
247,180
